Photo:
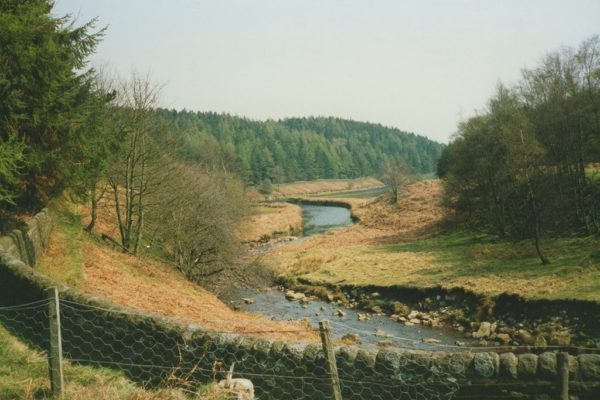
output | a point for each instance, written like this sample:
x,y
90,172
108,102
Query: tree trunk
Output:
x,y
394,195
534,211
536,238
94,205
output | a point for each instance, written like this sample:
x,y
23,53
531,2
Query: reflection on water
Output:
x,y
319,219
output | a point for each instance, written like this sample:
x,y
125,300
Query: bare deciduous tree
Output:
x,y
396,174
140,166
198,225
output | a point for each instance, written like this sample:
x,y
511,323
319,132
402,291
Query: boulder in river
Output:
x,y
380,333
339,313
363,317
249,300
540,341
560,338
376,310
306,300
484,331
503,337
414,315
400,308
506,330
293,296
525,337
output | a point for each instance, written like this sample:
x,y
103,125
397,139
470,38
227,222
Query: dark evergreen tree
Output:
x,y
47,102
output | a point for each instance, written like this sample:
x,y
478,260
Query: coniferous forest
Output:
x,y
297,148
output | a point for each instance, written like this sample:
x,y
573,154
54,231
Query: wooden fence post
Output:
x,y
330,357
55,360
562,365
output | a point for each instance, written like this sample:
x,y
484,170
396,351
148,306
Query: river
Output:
x,y
272,302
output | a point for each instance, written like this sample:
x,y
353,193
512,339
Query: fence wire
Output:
x,y
157,352
28,322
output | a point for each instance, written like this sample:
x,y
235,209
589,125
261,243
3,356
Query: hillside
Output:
x,y
297,148
142,283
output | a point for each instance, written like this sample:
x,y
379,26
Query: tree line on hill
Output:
x,y
524,167
174,181
297,148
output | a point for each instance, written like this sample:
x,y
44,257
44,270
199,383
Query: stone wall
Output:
x,y
27,243
152,349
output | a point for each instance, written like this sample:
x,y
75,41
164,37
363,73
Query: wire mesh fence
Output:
x,y
28,322
158,352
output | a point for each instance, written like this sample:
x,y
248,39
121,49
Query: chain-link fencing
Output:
x,y
157,352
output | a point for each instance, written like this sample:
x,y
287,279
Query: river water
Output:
x,y
320,219
272,302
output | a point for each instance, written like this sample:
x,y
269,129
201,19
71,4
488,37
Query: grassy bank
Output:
x,y
324,185
142,283
268,221
408,244
24,376
466,260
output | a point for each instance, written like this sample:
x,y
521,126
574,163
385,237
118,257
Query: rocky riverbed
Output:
x,y
473,318
349,325
478,324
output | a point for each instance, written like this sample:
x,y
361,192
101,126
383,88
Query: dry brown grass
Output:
x,y
418,213
151,286
324,185
402,245
148,285
270,220
348,254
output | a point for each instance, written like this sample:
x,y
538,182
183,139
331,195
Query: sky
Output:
x,y
421,66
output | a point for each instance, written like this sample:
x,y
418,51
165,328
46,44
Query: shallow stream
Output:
x,y
272,302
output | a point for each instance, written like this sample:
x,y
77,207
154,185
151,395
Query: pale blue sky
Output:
x,y
416,65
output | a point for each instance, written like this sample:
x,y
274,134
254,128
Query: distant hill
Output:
x,y
297,148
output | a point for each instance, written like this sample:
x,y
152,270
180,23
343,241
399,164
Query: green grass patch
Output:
x,y
24,376
64,260
24,373
463,255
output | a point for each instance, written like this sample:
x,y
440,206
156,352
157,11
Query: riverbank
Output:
x,y
269,221
146,284
408,248
320,186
